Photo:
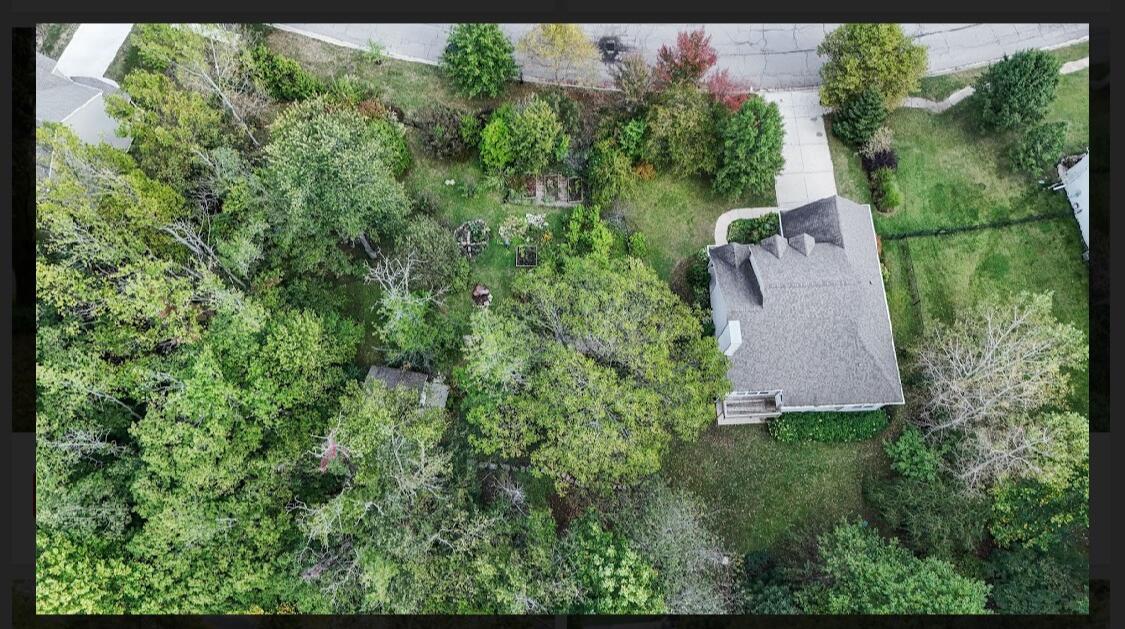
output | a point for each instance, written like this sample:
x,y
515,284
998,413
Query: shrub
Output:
x,y
609,173
751,155
692,57
725,91
496,141
885,160
698,279
859,118
470,127
441,131
881,141
478,59
683,132
911,457
1017,91
537,137
586,233
438,263
637,245
283,78
631,138
885,189
566,109
392,144
753,230
633,78
350,89
1040,148
935,517
878,152
862,56
828,427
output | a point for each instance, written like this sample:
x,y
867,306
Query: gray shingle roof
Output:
x,y
822,335
57,97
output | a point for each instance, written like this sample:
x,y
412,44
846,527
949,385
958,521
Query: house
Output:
x,y
431,393
1075,180
803,316
78,102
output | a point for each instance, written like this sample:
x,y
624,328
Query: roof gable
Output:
x,y
822,333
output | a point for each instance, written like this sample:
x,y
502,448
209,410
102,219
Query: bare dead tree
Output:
x,y
187,233
986,377
217,67
1002,359
396,277
87,444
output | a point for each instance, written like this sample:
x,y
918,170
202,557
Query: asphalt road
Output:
x,y
758,56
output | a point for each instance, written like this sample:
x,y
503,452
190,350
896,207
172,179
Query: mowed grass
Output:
x,y
938,88
956,271
406,84
677,216
953,173
1072,104
762,491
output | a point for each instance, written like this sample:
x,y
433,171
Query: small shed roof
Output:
x,y
432,394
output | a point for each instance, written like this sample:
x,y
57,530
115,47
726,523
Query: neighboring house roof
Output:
x,y
812,309
56,96
431,393
76,102
1076,182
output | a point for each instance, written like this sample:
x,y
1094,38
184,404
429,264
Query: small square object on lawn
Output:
x,y
527,256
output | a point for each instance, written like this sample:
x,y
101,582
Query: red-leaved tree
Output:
x,y
726,91
689,61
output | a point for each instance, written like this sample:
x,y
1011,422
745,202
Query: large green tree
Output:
x,y
862,56
398,534
751,155
619,368
683,130
170,127
478,58
859,572
328,168
1017,91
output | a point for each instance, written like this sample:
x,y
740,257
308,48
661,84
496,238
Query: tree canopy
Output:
x,y
858,572
614,347
328,168
862,56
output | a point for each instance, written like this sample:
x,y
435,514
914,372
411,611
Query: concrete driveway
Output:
x,y
807,174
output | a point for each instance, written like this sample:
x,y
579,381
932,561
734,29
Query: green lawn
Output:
x,y
762,490
958,270
953,173
677,216
938,88
405,84
1072,104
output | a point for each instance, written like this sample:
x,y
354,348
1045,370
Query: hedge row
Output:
x,y
828,427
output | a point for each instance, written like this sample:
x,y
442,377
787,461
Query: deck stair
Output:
x,y
749,407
